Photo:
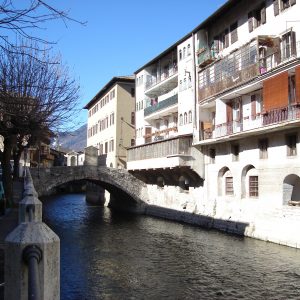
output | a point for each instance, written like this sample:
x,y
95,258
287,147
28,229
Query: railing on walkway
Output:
x,y
173,146
272,117
31,253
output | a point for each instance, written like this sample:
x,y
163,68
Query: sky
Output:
x,y
119,36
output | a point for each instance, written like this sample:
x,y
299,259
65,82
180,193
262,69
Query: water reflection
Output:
x,y
107,255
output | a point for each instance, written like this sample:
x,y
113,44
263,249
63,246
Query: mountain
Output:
x,y
74,140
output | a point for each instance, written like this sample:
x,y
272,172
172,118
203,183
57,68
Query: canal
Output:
x,y
108,255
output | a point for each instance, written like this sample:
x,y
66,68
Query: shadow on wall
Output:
x,y
195,219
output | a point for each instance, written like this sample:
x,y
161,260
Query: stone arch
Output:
x,y
126,189
73,161
291,189
247,171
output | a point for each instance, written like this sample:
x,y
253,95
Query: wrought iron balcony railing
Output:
x,y
161,105
163,77
272,117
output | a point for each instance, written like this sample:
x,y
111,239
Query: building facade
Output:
x,y
234,99
111,121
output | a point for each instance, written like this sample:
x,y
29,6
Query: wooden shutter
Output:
x,y
253,107
226,38
276,7
229,116
275,92
263,14
250,21
297,79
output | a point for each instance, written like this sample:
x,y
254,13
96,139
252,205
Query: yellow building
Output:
x,y
111,121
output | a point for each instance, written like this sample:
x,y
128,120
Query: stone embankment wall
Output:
x,y
279,224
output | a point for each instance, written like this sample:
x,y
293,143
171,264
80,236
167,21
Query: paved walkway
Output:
x,y
8,223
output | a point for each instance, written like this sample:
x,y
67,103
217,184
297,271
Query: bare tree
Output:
x,y
37,95
21,17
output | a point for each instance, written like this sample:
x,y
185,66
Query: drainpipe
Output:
x,y
195,85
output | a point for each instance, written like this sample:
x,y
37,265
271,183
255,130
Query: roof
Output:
x,y
113,81
220,11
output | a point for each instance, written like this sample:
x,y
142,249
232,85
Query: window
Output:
x,y
284,4
112,119
212,155
132,142
111,145
101,149
189,49
183,56
180,54
253,107
228,185
132,92
133,118
235,150
291,142
190,116
253,186
263,145
185,118
288,45
180,119
233,32
292,89
106,147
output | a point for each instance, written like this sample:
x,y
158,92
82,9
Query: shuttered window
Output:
x,y
250,21
297,80
276,7
263,14
233,32
275,92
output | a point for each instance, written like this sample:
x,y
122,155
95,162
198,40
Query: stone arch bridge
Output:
x,y
127,191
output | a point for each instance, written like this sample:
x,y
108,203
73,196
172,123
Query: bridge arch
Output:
x,y
127,191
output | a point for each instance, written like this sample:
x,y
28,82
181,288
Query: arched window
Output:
x,y
190,116
189,49
250,182
180,54
180,119
225,182
185,118
291,190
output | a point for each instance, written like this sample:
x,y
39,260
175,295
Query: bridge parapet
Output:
x,y
119,182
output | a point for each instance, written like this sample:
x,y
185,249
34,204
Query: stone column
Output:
x,y
95,194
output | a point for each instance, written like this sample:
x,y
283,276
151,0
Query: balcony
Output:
x,y
171,101
245,64
163,83
153,155
282,116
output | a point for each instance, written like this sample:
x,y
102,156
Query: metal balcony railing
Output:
x,y
161,105
174,146
243,65
275,116
162,77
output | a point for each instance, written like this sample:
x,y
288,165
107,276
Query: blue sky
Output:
x,y
120,36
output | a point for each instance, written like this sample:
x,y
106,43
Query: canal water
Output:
x,y
108,255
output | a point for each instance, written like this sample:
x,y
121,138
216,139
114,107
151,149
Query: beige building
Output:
x,y
111,121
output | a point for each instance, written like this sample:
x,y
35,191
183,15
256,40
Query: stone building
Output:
x,y
217,126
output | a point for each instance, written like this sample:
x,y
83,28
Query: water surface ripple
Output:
x,y
108,255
